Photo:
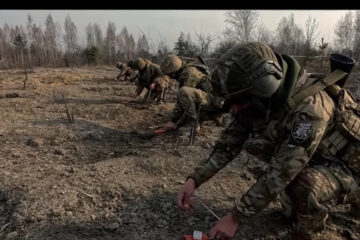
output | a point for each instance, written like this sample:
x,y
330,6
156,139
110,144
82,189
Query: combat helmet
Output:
x,y
170,64
119,65
250,69
139,64
130,64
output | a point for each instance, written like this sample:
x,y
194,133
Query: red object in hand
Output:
x,y
238,108
190,237
160,131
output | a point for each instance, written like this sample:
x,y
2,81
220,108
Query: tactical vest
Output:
x,y
345,130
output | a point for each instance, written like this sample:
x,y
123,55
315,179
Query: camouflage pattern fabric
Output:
x,y
195,89
318,187
147,76
162,85
125,73
299,135
190,77
188,101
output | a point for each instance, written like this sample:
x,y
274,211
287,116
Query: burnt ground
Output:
x,y
98,178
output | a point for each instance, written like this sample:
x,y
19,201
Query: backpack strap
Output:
x,y
329,80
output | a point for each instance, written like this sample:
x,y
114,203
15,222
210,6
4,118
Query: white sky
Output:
x,y
169,23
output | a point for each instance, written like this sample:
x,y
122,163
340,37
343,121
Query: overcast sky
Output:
x,y
169,23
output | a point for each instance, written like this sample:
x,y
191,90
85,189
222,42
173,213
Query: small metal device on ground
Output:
x,y
198,235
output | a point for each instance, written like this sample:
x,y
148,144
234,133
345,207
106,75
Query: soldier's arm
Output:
x,y
304,130
205,85
155,72
190,77
226,149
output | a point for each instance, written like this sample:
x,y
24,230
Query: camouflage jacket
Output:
x,y
294,138
197,75
194,75
148,75
127,71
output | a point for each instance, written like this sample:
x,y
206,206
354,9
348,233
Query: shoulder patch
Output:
x,y
301,131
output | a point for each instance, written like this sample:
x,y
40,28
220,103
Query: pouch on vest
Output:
x,y
347,119
346,128
352,156
346,132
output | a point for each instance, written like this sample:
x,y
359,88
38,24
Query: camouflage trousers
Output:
x,y
315,189
189,101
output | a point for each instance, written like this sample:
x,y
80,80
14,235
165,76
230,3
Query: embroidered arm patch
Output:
x,y
301,131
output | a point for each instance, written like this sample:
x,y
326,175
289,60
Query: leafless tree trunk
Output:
x,y
242,24
344,33
311,33
26,77
204,42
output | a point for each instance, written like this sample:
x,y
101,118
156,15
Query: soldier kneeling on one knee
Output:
x,y
311,127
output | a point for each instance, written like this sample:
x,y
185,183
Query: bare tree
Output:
x,y
110,42
30,37
242,24
204,41
263,35
50,38
142,47
357,36
290,37
311,32
162,48
70,40
70,37
20,44
344,33
98,35
322,46
90,35
129,44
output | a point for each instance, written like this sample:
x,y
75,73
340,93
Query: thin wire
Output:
x,y
205,206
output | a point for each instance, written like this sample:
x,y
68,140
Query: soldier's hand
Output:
x,y
183,198
225,228
170,125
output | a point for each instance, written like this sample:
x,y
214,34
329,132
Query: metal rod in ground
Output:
x,y
70,118
205,206
193,130
148,96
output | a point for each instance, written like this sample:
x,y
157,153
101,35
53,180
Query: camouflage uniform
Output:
x,y
162,85
301,176
125,71
195,90
146,76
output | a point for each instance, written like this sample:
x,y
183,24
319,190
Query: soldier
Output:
x,y
125,71
147,72
159,88
196,92
276,102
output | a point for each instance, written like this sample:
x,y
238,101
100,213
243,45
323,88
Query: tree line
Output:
x,y
58,45
52,45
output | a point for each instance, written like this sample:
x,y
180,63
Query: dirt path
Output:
x,y
97,178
